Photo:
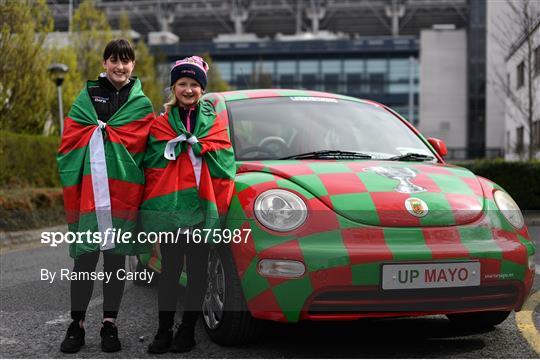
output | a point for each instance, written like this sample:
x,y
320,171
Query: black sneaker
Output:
x,y
74,339
109,337
162,342
184,340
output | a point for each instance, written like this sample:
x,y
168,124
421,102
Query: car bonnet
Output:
x,y
385,193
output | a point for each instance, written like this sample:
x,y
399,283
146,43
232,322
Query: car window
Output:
x,y
273,128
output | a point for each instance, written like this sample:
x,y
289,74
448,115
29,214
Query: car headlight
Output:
x,y
509,209
280,210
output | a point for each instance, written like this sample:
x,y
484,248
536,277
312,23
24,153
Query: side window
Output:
x,y
536,134
537,61
520,75
519,139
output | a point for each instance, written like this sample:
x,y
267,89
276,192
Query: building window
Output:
x,y
286,73
520,75
536,134
286,67
519,139
537,60
331,82
309,81
242,72
354,84
331,66
243,81
376,83
225,70
354,66
331,70
308,70
308,67
242,68
286,81
399,76
353,69
376,75
264,67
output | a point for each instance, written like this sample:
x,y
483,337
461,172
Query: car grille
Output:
x,y
375,300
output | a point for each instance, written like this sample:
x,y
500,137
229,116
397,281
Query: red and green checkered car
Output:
x,y
376,223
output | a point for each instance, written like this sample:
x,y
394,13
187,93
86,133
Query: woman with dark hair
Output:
x,y
100,166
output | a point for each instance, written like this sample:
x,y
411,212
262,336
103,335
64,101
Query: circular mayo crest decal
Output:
x,y
416,207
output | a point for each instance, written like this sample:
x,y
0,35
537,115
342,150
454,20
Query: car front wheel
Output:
x,y
226,318
478,320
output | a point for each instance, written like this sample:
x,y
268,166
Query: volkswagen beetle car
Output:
x,y
349,212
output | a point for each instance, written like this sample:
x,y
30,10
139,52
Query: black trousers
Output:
x,y
81,290
172,262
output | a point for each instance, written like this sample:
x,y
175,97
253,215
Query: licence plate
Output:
x,y
432,275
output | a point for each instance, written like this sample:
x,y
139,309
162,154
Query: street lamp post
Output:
x,y
57,73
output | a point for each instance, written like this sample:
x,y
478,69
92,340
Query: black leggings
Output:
x,y
81,290
172,261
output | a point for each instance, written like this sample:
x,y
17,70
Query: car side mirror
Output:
x,y
439,146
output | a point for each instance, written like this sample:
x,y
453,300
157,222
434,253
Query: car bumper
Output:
x,y
344,282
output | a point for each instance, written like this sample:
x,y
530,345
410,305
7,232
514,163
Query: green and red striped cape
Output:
x,y
126,136
171,197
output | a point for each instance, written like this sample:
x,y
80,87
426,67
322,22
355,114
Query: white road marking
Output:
x,y
6,340
59,320
66,317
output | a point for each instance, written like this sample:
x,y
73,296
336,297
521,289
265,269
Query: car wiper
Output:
x,y
329,154
411,157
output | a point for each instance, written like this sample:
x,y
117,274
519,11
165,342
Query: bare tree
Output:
x,y
515,35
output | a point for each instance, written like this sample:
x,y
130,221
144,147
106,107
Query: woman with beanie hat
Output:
x,y
189,167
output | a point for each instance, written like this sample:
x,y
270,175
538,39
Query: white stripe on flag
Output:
x,y
100,185
196,161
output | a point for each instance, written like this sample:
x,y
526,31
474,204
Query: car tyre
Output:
x,y
135,265
227,319
478,320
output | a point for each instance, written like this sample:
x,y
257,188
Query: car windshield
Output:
x,y
289,127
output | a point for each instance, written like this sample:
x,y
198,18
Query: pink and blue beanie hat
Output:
x,y
193,67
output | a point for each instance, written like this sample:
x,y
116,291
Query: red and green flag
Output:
x,y
101,171
189,175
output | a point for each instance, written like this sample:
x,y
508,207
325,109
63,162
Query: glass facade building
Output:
x,y
380,69
389,80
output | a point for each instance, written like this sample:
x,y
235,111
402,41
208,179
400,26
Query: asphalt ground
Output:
x,y
34,316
